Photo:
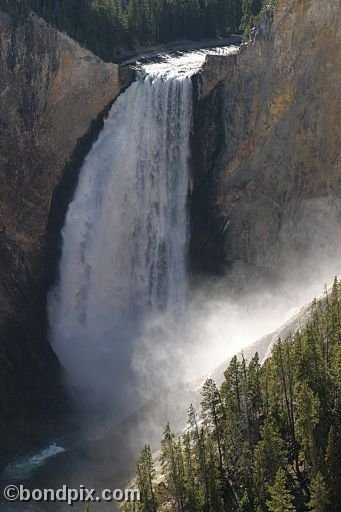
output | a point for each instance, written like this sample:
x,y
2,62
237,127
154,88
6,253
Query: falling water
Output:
x,y
125,236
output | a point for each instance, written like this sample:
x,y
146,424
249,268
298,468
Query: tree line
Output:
x,y
267,440
109,26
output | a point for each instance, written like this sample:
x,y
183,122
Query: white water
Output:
x,y
23,467
125,237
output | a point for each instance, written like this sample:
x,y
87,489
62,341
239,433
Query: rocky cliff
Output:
x,y
53,95
267,178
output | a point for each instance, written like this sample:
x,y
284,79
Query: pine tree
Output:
x,y
281,499
333,465
246,417
145,476
308,408
214,415
172,466
282,356
215,484
255,392
199,447
245,503
248,18
231,388
193,489
269,458
318,494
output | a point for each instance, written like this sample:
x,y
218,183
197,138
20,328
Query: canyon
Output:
x,y
265,158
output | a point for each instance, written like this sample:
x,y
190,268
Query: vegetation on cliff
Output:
x,y
269,440
252,10
106,26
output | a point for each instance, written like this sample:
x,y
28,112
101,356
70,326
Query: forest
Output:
x,y
108,27
267,440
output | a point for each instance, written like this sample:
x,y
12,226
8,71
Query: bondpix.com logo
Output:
x,y
68,495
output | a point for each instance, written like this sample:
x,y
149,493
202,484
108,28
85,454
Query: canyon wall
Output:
x,y
266,143
53,96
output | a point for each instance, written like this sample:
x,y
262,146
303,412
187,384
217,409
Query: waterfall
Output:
x,y
126,230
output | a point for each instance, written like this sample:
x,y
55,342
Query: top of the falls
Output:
x,y
182,65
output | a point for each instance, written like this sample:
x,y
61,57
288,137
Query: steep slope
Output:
x,y
263,346
261,418
267,177
51,93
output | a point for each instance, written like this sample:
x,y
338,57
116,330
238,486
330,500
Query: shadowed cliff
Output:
x,y
53,95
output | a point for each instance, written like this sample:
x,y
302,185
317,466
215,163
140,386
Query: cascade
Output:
x,y
126,230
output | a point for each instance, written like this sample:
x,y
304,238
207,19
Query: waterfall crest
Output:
x,y
125,236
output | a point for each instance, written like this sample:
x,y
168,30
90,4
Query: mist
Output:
x,y
176,349
226,314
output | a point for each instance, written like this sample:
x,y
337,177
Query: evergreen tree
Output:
x,y
281,499
318,494
172,465
283,360
262,420
269,458
215,484
145,476
214,415
308,408
248,18
193,489
333,466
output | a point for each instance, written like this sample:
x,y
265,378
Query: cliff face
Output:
x,y
51,93
268,176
